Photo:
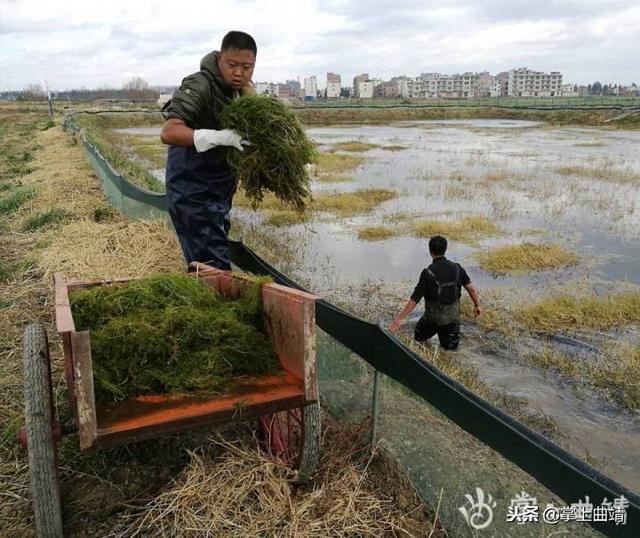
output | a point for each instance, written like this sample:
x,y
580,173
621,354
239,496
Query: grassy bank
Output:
x,y
99,130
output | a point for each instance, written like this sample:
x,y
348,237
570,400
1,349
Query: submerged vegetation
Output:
x,y
352,203
279,150
376,233
355,146
335,166
168,333
616,371
465,229
604,173
587,312
526,257
149,149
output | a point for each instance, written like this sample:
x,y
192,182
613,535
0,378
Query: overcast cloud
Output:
x,y
86,43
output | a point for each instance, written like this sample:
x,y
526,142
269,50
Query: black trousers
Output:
x,y
200,189
448,335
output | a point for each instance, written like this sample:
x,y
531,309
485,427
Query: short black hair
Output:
x,y
239,40
437,245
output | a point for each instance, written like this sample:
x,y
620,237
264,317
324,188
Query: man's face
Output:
x,y
236,67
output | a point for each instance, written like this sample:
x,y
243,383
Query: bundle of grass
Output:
x,y
279,152
171,333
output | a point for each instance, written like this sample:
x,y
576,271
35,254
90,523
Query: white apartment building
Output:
x,y
365,89
436,85
569,90
266,88
310,87
524,82
333,86
356,83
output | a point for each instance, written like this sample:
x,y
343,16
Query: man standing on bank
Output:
x,y
440,285
200,184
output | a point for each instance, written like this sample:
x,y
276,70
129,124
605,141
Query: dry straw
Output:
x,y
244,492
86,249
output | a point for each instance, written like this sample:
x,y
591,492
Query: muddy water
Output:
x,y
440,175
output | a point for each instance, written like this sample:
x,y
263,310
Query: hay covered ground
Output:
x,y
53,217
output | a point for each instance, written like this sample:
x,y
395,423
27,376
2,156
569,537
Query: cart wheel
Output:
x,y
294,436
39,416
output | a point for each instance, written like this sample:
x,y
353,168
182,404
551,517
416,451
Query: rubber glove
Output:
x,y
205,139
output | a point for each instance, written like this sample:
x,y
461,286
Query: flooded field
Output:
x,y
489,184
574,187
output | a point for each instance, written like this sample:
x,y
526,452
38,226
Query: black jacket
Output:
x,y
445,271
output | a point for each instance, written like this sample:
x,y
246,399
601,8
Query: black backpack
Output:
x,y
447,291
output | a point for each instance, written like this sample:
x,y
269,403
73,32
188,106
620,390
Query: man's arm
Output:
x,y
177,133
408,308
473,293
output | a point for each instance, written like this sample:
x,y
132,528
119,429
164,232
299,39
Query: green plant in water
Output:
x,y
276,161
171,333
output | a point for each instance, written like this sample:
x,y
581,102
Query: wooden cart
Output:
x,y
286,405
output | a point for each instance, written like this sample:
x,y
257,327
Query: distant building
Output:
x,y
365,89
569,90
266,88
285,91
164,97
524,82
310,87
333,86
356,84
387,90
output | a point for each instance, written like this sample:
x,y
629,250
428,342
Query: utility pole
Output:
x,y
46,84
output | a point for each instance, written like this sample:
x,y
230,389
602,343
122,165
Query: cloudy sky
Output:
x,y
87,43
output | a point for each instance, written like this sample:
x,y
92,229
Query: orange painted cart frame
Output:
x,y
289,320
286,404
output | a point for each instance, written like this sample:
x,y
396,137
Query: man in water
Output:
x,y
200,184
440,284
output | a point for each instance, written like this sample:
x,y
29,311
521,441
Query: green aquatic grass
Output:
x,y
276,159
171,333
46,219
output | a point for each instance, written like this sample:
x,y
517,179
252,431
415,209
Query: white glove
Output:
x,y
204,139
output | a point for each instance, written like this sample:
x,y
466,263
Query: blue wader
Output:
x,y
200,187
